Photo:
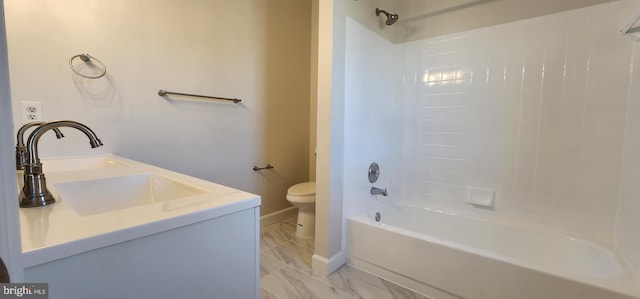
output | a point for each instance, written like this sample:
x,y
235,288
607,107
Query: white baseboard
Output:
x,y
278,216
327,266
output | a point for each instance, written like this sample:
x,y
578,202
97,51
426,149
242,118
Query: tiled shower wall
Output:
x,y
535,110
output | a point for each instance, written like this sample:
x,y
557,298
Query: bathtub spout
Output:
x,y
376,191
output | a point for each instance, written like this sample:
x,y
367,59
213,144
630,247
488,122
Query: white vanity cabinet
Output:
x,y
215,258
124,229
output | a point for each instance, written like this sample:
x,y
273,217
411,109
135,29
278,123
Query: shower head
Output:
x,y
391,18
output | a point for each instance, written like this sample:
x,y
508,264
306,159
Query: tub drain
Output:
x,y
377,216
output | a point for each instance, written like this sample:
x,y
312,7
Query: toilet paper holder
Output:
x,y
256,168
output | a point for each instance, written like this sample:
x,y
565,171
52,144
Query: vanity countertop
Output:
x,y
62,229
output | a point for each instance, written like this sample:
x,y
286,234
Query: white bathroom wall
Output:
x,y
258,51
534,109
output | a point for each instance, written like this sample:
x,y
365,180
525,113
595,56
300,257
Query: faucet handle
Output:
x,y
21,157
21,149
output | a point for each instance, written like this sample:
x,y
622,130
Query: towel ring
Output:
x,y
87,58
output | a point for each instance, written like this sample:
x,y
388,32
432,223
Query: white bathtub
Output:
x,y
443,255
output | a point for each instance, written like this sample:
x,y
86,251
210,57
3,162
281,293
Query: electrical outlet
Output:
x,y
30,111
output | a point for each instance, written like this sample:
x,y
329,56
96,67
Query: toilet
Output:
x,y
303,196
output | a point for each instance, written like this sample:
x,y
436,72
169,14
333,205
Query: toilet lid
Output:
x,y
303,189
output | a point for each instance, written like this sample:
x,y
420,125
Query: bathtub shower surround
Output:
x,y
534,110
445,255
627,238
534,113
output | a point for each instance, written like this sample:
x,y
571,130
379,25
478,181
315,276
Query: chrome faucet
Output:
x,y
21,150
377,191
35,192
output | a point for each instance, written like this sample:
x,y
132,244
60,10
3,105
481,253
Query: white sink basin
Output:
x,y
89,197
79,163
104,200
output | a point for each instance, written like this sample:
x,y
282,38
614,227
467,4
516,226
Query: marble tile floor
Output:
x,y
285,271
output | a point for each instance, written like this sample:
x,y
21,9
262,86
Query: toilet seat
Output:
x,y
303,189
